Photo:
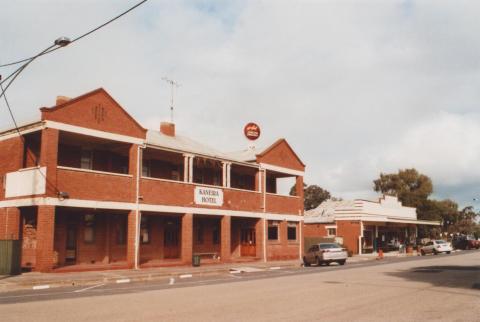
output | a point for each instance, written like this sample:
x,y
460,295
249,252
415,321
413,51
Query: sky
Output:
x,y
356,87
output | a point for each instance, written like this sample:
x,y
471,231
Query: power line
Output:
x,y
59,43
79,37
27,152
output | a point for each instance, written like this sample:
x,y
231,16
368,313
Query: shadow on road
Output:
x,y
454,276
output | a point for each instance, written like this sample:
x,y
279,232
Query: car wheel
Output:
x,y
341,262
422,252
305,262
448,252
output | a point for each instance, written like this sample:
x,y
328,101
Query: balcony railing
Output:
x,y
96,185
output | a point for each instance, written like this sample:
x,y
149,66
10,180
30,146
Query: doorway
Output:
x,y
248,243
71,249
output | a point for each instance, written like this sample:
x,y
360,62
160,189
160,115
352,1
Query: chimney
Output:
x,y
62,99
167,128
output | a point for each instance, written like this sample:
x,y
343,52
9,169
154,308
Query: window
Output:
x,y
146,168
331,231
272,230
292,231
86,160
89,228
144,231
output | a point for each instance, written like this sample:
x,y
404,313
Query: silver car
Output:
x,y
435,247
325,253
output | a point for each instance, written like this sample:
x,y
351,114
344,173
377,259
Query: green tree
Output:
x,y
313,195
411,187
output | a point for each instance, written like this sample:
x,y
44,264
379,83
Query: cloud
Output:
x,y
355,87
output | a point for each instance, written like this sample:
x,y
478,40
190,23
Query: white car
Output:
x,y
435,247
325,253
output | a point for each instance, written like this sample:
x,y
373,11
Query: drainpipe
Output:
x,y
137,207
264,215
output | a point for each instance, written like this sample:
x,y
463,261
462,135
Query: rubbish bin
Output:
x,y
10,257
196,260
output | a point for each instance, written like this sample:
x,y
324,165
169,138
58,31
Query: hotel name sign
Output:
x,y
208,196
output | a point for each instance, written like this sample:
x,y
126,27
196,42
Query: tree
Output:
x,y
465,222
313,196
411,187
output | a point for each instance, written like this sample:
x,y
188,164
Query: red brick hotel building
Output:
x,y
87,187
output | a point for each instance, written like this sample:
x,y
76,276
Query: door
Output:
x,y
171,241
71,249
248,243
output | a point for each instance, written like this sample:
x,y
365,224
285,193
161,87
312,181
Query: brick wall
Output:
x,y
283,249
315,230
11,159
350,231
284,204
96,110
96,186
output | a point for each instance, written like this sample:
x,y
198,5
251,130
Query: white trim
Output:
x,y
282,169
94,171
79,203
279,195
91,132
384,219
9,134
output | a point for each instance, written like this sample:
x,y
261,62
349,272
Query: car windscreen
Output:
x,y
440,242
327,246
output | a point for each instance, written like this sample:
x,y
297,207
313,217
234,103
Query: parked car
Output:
x,y
465,242
325,253
435,247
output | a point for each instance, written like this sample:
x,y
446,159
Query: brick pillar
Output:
x,y
282,233
49,158
9,223
132,240
45,238
299,192
226,241
187,238
259,237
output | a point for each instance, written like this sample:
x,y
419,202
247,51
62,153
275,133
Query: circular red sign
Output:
x,y
252,131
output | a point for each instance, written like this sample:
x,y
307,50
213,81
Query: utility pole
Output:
x,y
173,85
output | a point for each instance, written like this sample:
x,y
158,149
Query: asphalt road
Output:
x,y
431,288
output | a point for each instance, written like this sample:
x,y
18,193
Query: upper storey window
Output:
x,y
207,171
90,153
162,164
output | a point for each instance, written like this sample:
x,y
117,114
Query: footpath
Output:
x,y
38,281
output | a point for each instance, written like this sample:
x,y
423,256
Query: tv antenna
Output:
x,y
173,85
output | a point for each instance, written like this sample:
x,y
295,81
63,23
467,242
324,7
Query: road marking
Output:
x,y
41,287
172,281
235,272
88,288
125,280
186,276
275,267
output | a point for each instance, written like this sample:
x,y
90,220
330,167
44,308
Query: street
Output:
x,y
431,288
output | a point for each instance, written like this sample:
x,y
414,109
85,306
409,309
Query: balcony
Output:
x,y
170,193
96,185
281,204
